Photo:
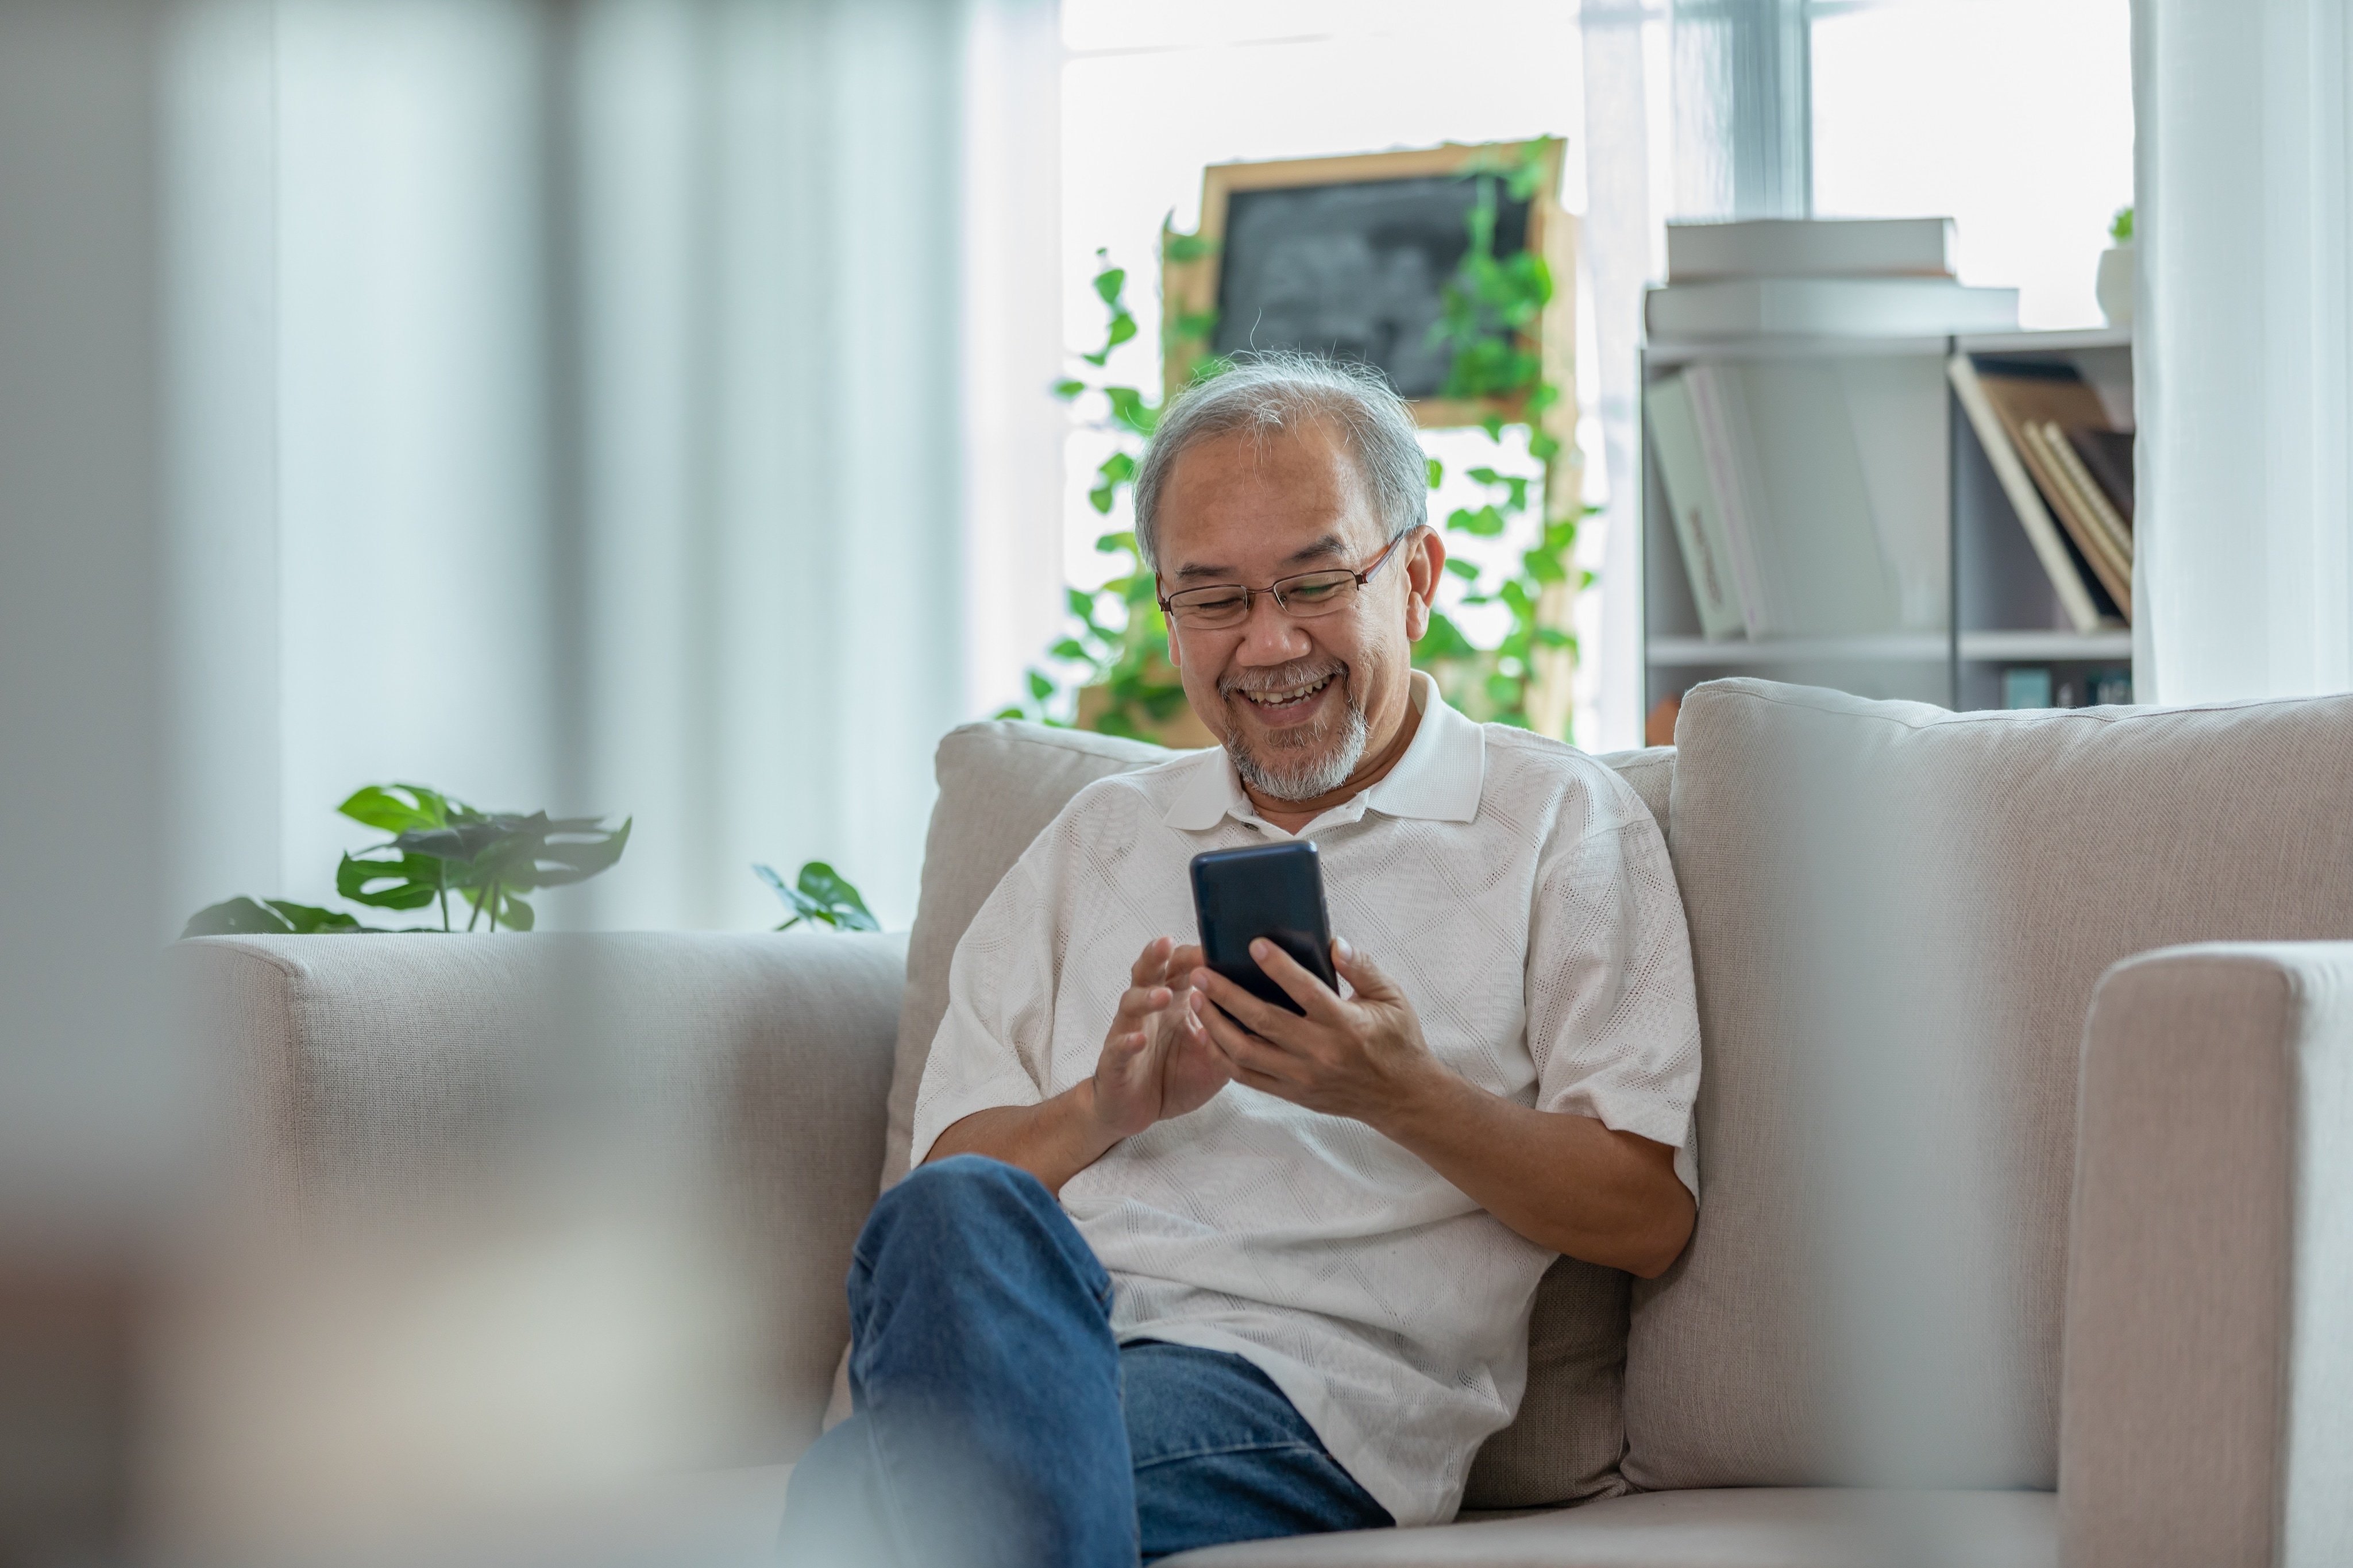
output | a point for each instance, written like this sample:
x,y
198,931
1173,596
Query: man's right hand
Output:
x,y
1157,1059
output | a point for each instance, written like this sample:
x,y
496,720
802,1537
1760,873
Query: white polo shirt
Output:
x,y
1519,894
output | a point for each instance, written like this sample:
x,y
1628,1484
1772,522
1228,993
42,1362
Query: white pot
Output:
x,y
2113,287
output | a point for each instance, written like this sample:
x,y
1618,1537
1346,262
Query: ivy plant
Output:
x,y
440,846
1117,640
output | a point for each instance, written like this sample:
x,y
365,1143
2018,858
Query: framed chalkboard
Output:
x,y
1349,257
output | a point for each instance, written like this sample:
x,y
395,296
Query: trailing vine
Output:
x,y
1117,642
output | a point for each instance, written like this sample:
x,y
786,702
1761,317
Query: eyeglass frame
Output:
x,y
1273,590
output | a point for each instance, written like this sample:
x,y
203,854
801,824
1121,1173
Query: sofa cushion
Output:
x,y
1784,1528
1000,784
1897,917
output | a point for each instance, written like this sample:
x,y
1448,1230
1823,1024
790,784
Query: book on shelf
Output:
x,y
2108,455
1696,507
2034,407
1999,408
1833,307
1810,247
1782,529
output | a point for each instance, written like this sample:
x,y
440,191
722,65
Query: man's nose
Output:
x,y
1270,636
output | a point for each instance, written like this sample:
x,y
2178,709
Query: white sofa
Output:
x,y
2026,1137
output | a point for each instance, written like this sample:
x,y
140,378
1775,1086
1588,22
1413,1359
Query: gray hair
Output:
x,y
1272,391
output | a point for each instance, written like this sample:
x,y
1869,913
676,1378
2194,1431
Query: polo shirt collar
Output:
x,y
1438,779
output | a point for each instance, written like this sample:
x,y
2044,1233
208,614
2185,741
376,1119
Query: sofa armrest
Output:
x,y
757,1067
2209,1359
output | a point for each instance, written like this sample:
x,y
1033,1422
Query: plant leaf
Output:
x,y
377,806
404,881
236,916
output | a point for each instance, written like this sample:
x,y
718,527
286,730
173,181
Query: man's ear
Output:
x,y
1424,566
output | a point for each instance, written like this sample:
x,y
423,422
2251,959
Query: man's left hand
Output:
x,y
1360,1056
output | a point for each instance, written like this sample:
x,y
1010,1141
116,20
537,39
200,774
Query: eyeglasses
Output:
x,y
1302,597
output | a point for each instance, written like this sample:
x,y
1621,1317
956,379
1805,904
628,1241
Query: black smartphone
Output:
x,y
1271,890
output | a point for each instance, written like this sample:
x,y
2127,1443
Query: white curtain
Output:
x,y
633,428
1625,168
2243,347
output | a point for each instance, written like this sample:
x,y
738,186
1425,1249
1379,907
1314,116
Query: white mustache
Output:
x,y
1281,678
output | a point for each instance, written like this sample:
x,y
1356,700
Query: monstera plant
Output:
x,y
440,846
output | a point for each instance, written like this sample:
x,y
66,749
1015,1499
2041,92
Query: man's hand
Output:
x,y
1158,1061
1360,1056
1564,1181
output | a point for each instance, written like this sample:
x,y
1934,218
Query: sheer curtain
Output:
x,y
2245,346
596,397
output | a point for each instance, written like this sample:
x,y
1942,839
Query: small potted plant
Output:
x,y
2114,286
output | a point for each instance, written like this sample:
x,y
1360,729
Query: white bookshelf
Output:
x,y
2001,611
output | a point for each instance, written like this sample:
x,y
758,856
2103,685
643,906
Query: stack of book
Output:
x,y
1835,277
2067,469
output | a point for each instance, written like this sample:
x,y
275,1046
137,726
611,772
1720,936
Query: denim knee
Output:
x,y
954,1199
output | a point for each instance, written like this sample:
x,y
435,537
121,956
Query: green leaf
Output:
x,y
822,896
1543,567
274,917
519,853
1462,569
1068,648
1437,473
1553,637
1127,406
1192,327
1082,603
1009,713
1185,248
236,916
306,919
1109,282
1493,426
1040,687
377,806
404,881
1066,390
1123,328
1487,476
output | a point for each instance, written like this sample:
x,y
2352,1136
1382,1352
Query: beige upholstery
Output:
x,y
1781,1528
379,1062
1897,916
2210,1295
1000,784
1888,905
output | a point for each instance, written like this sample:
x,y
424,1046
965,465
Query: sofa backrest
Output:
x,y
1000,783
1898,915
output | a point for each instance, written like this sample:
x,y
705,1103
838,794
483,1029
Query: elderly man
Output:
x,y
1177,1266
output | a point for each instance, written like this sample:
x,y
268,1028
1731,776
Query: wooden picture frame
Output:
x,y
1192,287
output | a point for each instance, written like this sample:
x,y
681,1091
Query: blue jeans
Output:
x,y
997,1422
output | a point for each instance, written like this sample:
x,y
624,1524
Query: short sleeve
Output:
x,y
991,1046
1613,1013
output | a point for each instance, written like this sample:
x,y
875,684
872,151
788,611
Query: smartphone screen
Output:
x,y
1271,890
